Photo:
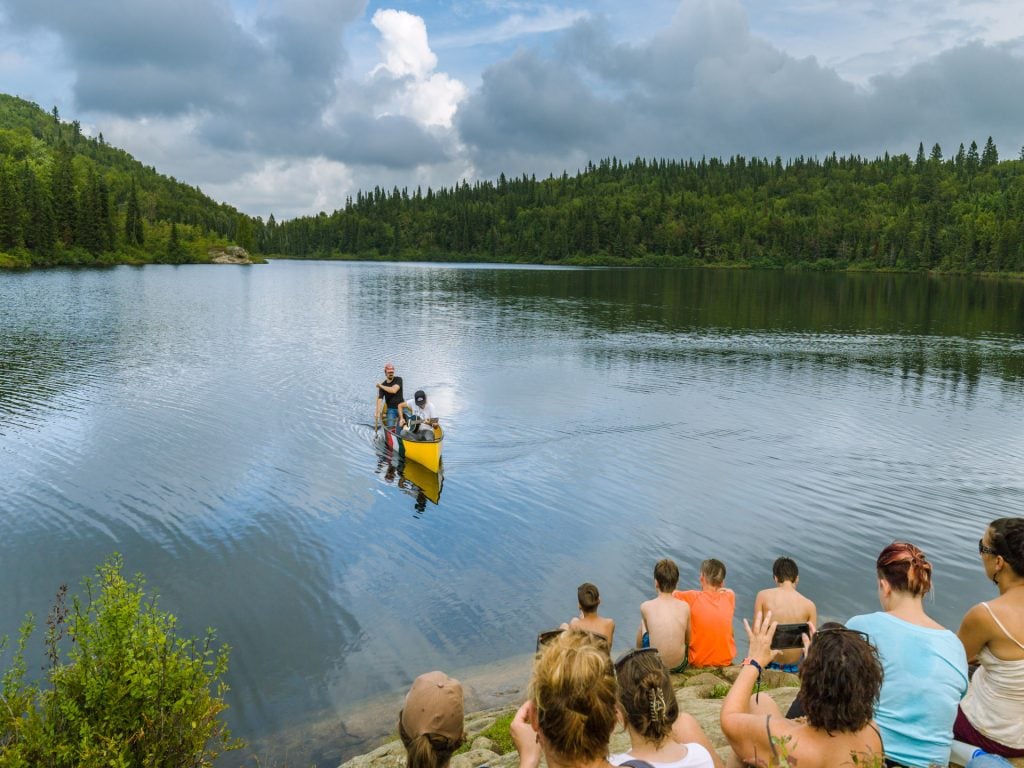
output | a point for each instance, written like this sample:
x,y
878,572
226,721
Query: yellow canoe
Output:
x,y
425,452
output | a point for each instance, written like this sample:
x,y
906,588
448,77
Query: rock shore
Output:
x,y
693,689
229,254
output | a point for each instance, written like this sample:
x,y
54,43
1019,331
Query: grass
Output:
x,y
498,733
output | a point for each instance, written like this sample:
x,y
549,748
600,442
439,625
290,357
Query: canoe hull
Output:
x,y
425,453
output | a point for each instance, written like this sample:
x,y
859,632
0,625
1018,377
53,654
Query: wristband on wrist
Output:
x,y
753,663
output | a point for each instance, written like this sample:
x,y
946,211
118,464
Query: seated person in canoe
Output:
x,y
423,419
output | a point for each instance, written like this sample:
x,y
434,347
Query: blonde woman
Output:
x,y
571,710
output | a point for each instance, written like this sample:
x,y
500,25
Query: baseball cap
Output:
x,y
420,397
433,705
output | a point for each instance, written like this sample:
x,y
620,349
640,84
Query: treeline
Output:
x,y
964,213
67,198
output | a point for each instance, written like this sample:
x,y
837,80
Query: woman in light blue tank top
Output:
x,y
924,663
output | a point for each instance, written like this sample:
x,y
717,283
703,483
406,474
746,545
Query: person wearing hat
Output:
x,y
423,417
431,722
389,396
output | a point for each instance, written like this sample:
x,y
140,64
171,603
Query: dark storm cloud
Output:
x,y
706,86
142,56
527,105
389,141
262,90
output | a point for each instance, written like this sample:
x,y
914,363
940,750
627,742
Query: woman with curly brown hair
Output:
x,y
659,734
925,664
571,709
839,683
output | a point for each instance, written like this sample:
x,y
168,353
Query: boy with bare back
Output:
x,y
787,606
665,621
588,620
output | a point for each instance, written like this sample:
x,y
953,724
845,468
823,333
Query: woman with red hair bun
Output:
x,y
924,663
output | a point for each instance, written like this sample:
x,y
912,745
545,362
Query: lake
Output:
x,y
215,426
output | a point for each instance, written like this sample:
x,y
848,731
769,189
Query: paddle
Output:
x,y
376,414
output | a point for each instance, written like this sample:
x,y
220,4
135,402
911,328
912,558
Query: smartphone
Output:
x,y
789,635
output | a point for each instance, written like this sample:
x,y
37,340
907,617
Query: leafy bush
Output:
x,y
131,693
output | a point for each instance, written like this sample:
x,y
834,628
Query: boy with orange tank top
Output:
x,y
711,612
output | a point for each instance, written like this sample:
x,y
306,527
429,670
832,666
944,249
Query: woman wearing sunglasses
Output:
x,y
839,682
990,715
571,710
925,665
659,734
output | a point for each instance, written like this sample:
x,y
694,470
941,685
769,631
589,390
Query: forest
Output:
x,y
962,213
70,199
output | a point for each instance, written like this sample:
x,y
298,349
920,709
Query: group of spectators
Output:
x,y
890,688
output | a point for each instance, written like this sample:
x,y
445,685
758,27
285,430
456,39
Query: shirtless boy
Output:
x,y
589,599
665,621
787,606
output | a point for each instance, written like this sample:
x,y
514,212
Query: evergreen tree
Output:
x,y
10,210
65,209
989,155
37,224
973,160
133,231
244,235
176,251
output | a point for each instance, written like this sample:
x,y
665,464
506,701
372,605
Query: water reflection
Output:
x,y
212,426
408,476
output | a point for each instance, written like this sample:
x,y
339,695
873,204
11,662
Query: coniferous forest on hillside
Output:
x,y
69,199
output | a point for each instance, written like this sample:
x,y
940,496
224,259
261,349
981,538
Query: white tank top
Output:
x,y
995,699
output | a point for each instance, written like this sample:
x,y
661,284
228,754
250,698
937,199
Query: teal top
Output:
x,y
925,678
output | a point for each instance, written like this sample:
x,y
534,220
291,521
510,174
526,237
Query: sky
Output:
x,y
287,107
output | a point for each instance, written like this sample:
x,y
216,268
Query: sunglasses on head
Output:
x,y
836,630
631,654
983,550
546,637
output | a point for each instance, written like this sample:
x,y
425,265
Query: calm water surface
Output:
x,y
214,426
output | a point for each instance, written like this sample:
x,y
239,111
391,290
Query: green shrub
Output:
x,y
130,695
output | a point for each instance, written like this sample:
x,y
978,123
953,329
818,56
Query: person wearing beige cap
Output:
x,y
430,723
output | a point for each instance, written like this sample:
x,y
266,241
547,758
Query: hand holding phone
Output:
x,y
790,635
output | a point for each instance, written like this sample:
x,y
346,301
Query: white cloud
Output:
x,y
403,44
309,185
430,98
516,25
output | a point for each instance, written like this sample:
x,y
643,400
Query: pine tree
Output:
x,y
65,209
176,251
10,210
37,224
972,157
133,231
989,155
243,233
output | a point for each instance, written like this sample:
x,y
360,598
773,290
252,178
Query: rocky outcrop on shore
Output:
x,y
229,254
693,691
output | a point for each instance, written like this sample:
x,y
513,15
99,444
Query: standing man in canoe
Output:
x,y
389,395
